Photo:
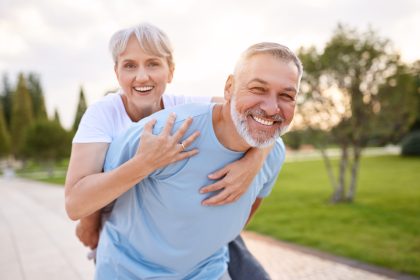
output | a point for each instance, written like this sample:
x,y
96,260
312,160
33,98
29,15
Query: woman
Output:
x,y
143,66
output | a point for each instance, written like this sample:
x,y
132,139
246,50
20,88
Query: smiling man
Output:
x,y
159,229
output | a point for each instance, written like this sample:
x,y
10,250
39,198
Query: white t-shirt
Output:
x,y
106,119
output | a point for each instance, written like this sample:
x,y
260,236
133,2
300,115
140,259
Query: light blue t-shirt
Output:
x,y
158,229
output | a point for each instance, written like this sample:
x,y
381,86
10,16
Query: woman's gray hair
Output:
x,y
277,50
151,39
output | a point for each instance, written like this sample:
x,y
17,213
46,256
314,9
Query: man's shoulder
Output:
x,y
195,111
277,154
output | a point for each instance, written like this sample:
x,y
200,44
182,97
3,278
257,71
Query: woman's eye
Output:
x,y
154,64
129,66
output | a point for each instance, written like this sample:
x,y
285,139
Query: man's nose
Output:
x,y
270,106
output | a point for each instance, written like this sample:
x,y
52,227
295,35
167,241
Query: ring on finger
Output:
x,y
183,146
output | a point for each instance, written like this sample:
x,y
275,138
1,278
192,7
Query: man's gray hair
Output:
x,y
151,39
277,50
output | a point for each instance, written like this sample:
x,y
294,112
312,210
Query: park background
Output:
x,y
350,186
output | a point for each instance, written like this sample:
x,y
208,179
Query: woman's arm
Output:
x,y
87,189
236,177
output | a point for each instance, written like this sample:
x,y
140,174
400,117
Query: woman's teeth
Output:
x,y
143,89
262,121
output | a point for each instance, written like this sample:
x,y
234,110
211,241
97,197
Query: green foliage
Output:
x,y
411,144
6,99
57,116
81,108
47,141
381,228
4,135
22,115
35,90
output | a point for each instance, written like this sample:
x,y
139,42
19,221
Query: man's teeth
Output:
x,y
143,89
262,121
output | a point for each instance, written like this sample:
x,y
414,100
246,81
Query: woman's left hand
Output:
x,y
235,178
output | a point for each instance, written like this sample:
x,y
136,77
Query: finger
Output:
x,y
182,129
148,127
186,154
169,124
219,173
230,199
94,243
213,187
187,142
214,200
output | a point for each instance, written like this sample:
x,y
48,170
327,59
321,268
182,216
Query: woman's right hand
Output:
x,y
164,148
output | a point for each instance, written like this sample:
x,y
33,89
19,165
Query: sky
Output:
x,y
66,42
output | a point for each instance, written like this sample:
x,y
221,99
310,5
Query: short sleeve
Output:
x,y
272,167
172,100
94,126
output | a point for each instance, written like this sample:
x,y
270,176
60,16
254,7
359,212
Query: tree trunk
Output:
x,y
354,173
339,194
329,168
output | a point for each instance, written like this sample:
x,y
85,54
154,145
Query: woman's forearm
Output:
x,y
94,191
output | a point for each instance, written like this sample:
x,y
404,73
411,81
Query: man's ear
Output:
x,y
229,87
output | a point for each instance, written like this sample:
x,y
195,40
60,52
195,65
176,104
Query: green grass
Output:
x,y
35,171
381,227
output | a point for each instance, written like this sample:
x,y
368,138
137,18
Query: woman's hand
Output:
x,y
235,178
164,148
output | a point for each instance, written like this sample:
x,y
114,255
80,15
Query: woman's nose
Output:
x,y
142,74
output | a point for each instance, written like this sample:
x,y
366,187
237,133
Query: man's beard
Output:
x,y
240,122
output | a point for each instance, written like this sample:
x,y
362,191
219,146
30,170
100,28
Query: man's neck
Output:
x,y
225,129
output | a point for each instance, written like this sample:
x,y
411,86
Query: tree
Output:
x,y
6,99
351,90
37,95
22,115
57,116
4,135
47,150
81,108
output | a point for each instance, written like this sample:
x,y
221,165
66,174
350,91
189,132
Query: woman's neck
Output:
x,y
136,114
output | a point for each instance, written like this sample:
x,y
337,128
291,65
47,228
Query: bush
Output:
x,y
411,144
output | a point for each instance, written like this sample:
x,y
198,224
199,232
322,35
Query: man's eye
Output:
x,y
287,97
258,90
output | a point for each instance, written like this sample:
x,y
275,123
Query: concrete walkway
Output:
x,y
37,242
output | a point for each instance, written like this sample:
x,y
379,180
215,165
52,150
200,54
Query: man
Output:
x,y
159,229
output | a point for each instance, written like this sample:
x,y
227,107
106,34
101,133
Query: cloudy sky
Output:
x,y
65,42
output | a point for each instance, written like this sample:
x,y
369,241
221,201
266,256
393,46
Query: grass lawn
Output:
x,y
381,227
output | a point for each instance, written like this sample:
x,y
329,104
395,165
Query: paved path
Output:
x,y
37,242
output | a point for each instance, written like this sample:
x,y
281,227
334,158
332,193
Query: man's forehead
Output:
x,y
266,68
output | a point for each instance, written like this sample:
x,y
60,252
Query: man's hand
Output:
x,y
87,230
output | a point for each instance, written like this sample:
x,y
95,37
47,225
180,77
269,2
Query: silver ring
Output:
x,y
183,146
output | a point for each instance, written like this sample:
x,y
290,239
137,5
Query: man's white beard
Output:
x,y
240,122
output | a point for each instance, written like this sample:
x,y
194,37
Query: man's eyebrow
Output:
x,y
258,81
292,89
